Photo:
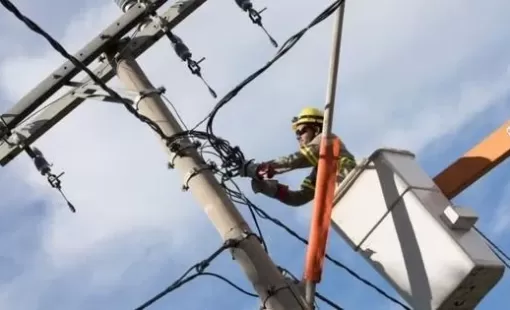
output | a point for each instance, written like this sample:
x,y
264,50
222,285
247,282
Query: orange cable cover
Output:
x,y
323,206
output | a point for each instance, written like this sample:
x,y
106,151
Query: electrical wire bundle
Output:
x,y
199,269
281,52
231,157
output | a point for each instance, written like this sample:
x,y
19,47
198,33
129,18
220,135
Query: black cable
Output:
x,y
224,279
199,269
241,199
176,112
496,249
233,194
178,283
59,48
232,157
266,216
281,52
328,301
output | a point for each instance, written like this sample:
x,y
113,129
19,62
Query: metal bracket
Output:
x,y
179,150
148,92
5,132
10,137
95,92
194,172
459,218
139,43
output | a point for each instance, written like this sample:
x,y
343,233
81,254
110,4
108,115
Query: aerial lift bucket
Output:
x,y
391,212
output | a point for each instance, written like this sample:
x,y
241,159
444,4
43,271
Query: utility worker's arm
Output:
x,y
307,156
294,198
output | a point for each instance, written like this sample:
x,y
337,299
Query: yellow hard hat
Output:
x,y
308,115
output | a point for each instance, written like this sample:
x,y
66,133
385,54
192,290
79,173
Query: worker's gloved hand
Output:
x,y
265,171
249,169
266,187
254,170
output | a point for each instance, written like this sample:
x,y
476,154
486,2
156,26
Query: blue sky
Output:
x,y
428,76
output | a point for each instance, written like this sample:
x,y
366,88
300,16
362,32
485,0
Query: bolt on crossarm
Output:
x,y
326,174
180,48
273,289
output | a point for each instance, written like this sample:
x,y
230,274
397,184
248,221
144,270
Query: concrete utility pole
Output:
x,y
274,290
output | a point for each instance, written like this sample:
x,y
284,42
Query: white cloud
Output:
x,y
399,86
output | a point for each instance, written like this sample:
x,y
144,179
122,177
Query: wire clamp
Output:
x,y
193,173
95,92
179,150
44,168
5,131
148,92
183,52
256,17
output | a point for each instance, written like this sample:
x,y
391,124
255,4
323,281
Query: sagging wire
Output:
x,y
256,17
219,143
281,52
183,52
232,157
226,152
199,269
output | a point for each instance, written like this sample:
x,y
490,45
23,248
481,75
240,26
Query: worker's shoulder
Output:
x,y
318,138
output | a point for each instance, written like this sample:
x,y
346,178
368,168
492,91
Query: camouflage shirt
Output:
x,y
307,157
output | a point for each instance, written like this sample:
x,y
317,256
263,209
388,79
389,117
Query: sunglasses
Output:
x,y
300,132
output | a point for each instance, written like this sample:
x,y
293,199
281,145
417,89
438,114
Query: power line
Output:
x,y
328,301
237,287
60,49
231,157
199,269
496,249
223,176
281,52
